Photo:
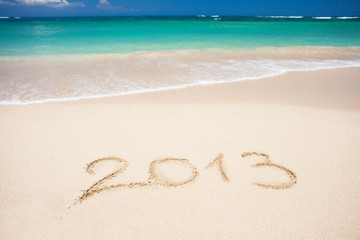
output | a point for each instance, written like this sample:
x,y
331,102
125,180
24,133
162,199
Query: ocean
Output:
x,y
57,59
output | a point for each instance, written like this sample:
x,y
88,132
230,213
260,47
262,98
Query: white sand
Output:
x,y
304,123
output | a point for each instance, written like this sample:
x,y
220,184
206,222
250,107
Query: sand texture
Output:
x,y
277,158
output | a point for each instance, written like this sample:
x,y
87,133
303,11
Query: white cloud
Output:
x,y
7,2
105,4
47,3
77,4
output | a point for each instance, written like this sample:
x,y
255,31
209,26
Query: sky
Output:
x,y
58,8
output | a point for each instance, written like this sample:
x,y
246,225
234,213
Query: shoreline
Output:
x,y
328,89
64,78
300,51
288,76
332,85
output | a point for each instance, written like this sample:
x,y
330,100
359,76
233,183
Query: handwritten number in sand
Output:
x,y
218,161
98,186
156,178
268,163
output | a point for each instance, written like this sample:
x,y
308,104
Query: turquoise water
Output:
x,y
58,59
47,36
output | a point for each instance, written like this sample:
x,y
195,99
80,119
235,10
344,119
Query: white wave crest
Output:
x,y
284,16
347,17
322,17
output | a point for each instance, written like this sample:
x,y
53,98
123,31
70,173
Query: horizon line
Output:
x,y
196,15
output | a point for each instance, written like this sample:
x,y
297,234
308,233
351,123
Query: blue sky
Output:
x,y
178,7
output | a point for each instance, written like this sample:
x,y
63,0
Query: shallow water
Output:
x,y
52,59
33,36
35,79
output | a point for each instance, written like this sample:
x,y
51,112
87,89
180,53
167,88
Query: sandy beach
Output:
x,y
308,123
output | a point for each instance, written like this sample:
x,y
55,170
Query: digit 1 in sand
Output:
x,y
219,162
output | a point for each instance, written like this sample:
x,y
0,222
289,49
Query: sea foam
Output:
x,y
70,77
322,17
285,16
347,17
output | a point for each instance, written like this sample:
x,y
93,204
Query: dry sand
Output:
x,y
304,127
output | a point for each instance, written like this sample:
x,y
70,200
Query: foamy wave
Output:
x,y
322,17
347,17
64,78
284,16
